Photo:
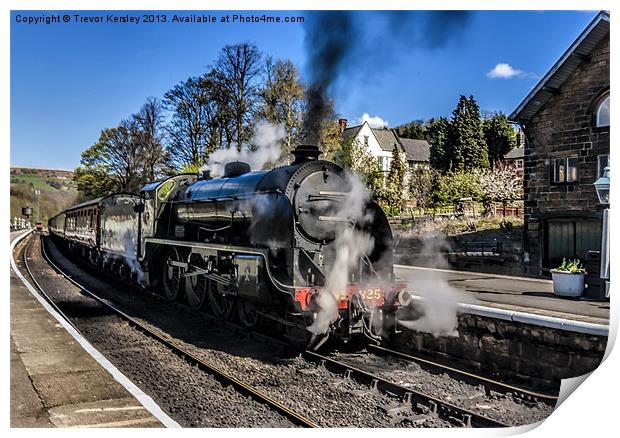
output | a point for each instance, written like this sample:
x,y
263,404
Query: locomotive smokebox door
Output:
x,y
249,284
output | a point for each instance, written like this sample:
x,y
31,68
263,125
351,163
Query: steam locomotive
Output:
x,y
253,245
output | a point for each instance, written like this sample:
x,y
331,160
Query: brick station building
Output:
x,y
565,119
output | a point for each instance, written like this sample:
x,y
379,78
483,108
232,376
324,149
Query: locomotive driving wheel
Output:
x,y
196,291
221,301
196,286
172,279
248,314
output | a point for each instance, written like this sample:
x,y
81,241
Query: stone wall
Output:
x,y
529,355
565,126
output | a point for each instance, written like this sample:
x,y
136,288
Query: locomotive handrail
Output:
x,y
230,197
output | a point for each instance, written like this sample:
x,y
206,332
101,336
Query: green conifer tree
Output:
x,y
396,179
500,137
437,137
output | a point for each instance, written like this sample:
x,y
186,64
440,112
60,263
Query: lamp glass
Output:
x,y
602,187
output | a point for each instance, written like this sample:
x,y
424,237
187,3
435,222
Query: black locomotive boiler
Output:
x,y
255,245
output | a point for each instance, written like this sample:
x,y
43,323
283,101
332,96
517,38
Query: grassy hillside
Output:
x,y
56,194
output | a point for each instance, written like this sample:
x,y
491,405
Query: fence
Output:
x,y
509,211
468,210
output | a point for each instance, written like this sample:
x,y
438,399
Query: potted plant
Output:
x,y
569,278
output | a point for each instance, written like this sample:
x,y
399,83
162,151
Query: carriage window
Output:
x,y
602,113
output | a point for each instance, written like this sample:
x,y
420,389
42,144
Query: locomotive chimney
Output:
x,y
205,174
305,152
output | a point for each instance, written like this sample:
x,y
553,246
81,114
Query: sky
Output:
x,y
71,80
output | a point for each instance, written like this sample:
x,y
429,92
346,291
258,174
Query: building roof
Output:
x,y
416,150
352,131
386,138
577,53
516,153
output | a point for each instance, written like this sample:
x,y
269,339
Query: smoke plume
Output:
x,y
266,140
359,45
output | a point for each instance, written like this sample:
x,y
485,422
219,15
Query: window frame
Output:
x,y
519,164
597,113
554,180
599,168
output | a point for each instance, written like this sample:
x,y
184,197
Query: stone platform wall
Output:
x,y
534,356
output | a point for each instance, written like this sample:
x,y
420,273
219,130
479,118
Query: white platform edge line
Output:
x,y
485,274
144,399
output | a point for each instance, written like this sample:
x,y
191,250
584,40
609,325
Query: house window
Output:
x,y
602,163
366,140
602,113
565,169
380,163
519,164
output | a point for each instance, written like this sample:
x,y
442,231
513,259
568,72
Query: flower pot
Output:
x,y
566,284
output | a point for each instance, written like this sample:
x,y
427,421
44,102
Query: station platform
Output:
x,y
55,382
508,293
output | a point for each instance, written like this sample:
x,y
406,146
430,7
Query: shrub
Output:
x,y
454,186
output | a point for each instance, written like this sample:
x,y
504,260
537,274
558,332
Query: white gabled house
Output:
x,y
380,142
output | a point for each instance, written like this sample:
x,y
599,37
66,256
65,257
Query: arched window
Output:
x,y
602,113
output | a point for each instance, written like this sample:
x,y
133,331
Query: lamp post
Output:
x,y
38,193
602,191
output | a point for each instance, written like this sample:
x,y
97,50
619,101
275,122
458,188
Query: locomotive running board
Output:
x,y
203,245
264,253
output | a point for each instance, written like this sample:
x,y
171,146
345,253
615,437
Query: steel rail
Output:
x,y
442,408
494,385
221,375
27,246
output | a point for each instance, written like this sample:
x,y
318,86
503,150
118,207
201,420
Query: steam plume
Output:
x,y
437,310
266,139
351,244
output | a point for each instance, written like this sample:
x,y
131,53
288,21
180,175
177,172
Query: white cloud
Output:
x,y
374,121
504,71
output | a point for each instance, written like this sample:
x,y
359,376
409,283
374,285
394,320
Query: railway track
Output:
x,y
418,399
470,378
219,374
424,404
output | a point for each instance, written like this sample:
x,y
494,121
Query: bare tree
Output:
x,y
220,118
115,161
148,132
188,130
282,99
238,71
